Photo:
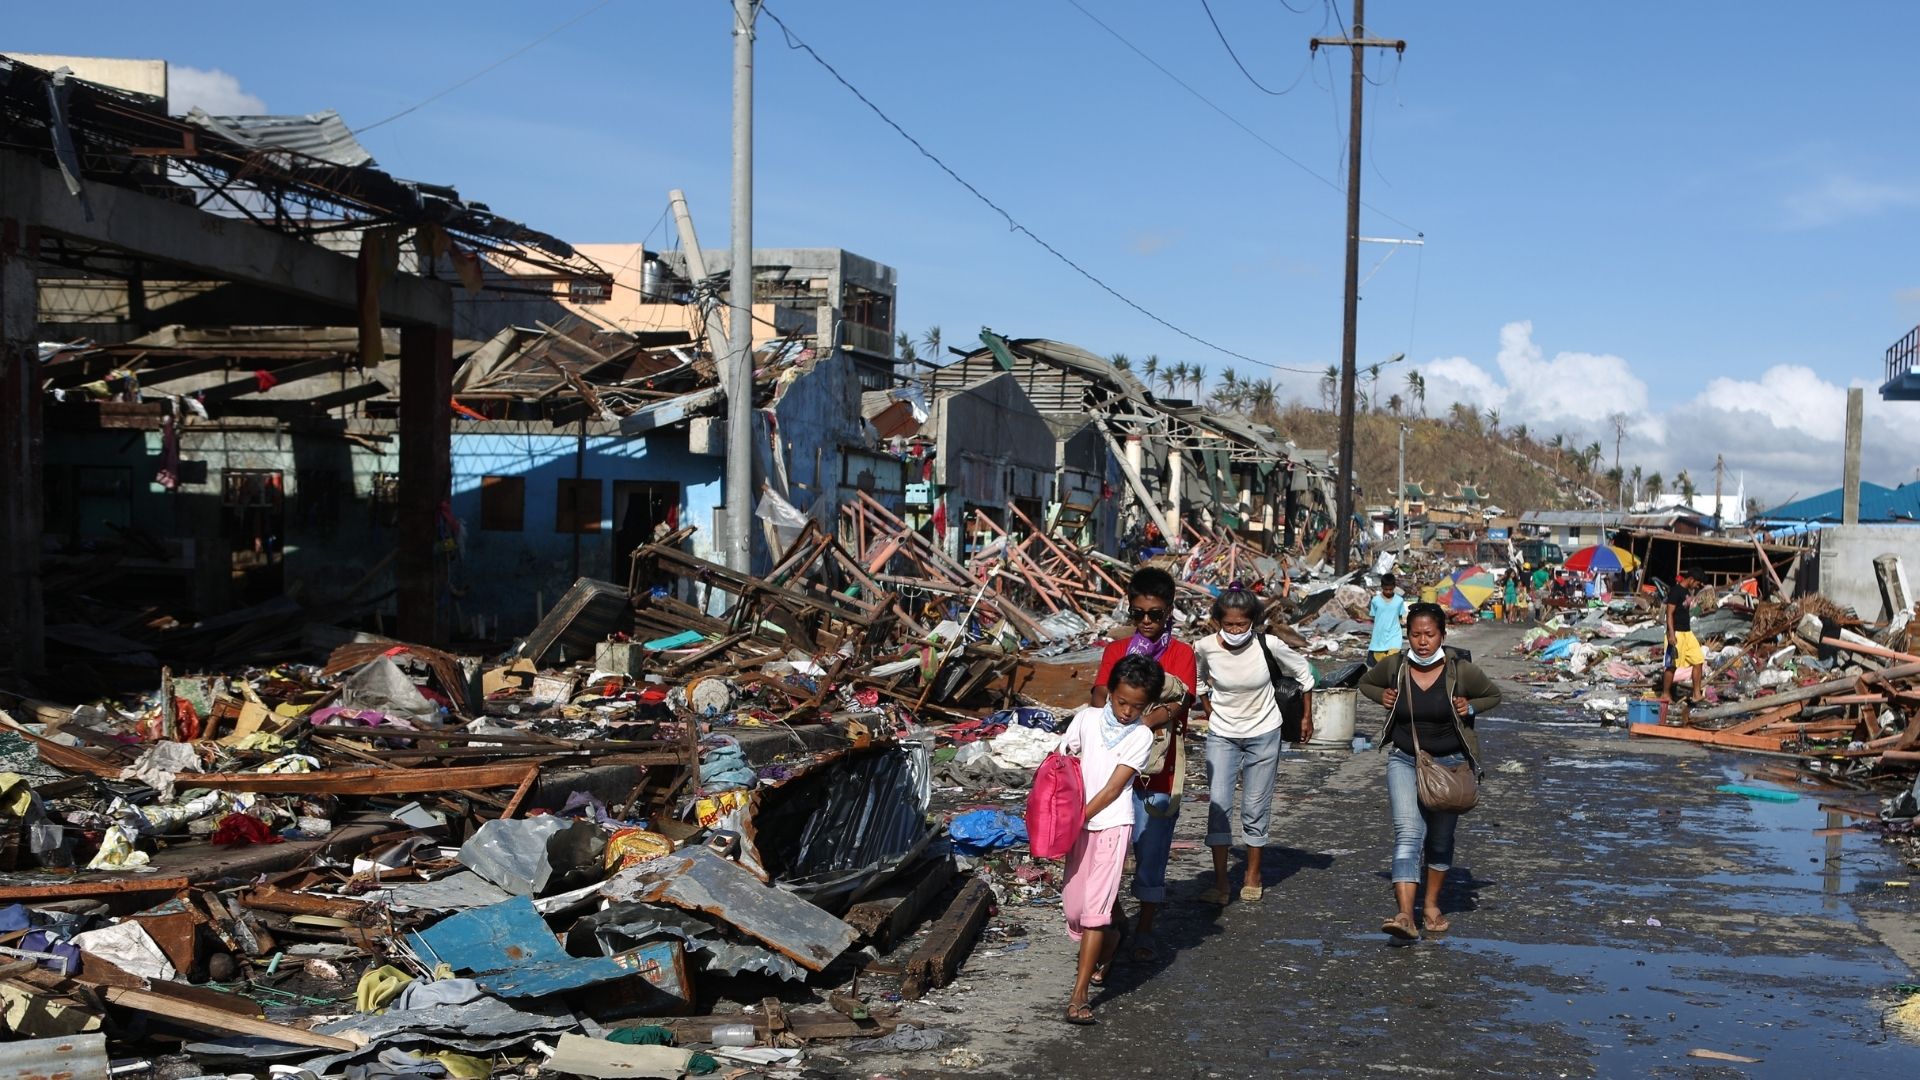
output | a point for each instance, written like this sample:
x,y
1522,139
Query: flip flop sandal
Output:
x,y
1438,925
1401,927
1252,893
1099,976
1081,1014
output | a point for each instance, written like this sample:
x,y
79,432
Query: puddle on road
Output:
x,y
1798,872
1642,1008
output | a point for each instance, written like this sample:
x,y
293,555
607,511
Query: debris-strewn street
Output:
x,y
1612,915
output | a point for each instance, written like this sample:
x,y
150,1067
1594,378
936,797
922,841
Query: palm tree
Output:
x,y
1171,377
1593,455
1558,443
1395,403
1493,422
1417,388
1617,477
930,341
1373,387
1121,363
1656,485
1197,378
1151,368
1229,378
1634,476
1685,480
904,346
1520,434
1330,386
1261,397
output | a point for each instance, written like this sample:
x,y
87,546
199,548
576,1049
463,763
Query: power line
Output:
x,y
497,63
1228,45
794,42
1229,117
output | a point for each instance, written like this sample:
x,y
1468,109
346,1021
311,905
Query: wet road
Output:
x,y
1612,913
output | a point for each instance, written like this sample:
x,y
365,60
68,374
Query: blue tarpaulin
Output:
x,y
512,954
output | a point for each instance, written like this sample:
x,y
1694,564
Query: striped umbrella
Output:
x,y
1604,558
1467,589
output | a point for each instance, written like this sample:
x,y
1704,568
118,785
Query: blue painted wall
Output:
x,y
500,573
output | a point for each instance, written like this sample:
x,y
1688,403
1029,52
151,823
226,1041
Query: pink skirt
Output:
x,y
1093,878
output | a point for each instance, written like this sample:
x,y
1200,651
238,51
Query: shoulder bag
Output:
x,y
1447,789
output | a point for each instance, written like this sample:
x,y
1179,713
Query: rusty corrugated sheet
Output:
x,y
70,1057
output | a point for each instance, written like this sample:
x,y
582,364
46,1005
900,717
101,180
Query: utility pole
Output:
x,y
1403,488
1719,472
737,373
1358,42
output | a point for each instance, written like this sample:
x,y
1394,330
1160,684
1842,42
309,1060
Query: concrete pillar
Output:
x,y
22,611
426,481
1850,476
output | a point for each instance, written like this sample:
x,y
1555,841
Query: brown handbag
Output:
x,y
1446,789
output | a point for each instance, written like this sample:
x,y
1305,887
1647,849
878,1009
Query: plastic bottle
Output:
x,y
734,1035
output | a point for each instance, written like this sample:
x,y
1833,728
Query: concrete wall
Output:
x,y
817,417
1846,562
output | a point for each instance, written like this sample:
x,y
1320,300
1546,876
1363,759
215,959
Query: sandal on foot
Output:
x,y
1437,924
1252,893
1099,976
1081,1014
1215,895
1401,927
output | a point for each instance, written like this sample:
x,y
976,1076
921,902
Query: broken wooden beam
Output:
x,y
939,957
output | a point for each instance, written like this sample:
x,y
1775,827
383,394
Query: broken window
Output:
x,y
577,509
503,503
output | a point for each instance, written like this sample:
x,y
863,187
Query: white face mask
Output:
x,y
1427,660
1234,641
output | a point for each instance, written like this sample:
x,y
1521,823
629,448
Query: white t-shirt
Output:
x,y
1098,760
1239,688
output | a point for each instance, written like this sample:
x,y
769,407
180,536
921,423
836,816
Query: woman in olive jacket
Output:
x,y
1433,698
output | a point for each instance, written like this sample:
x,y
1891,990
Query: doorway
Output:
x,y
643,511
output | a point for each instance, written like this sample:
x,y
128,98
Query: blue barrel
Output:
x,y
1646,711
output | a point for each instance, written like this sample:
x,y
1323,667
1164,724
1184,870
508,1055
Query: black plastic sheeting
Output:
x,y
839,832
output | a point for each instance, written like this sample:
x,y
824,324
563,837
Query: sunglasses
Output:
x,y
1157,614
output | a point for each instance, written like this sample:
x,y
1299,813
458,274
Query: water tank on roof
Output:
x,y
654,287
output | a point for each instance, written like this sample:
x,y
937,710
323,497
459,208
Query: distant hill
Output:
x,y
1514,471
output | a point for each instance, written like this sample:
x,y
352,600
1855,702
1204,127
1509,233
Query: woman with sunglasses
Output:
x,y
1156,792
1432,700
1243,730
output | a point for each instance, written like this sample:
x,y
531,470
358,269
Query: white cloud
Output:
x,y
215,91
1782,428
1839,198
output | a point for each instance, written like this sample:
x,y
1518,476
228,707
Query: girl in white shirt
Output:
x,y
1113,746
1243,731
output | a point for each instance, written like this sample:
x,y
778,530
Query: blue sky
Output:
x,y
1693,213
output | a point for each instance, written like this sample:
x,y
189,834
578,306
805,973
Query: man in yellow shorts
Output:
x,y
1683,649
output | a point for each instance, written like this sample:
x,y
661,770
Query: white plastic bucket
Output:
x,y
1333,717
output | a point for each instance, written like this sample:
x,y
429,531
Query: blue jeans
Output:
x,y
1417,831
1244,768
1152,847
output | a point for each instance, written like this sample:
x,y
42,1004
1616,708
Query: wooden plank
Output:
x,y
206,1018
1709,738
939,957
1805,693
99,887
1772,716
889,918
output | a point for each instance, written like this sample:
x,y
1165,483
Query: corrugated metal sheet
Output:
x,y
321,135
69,1057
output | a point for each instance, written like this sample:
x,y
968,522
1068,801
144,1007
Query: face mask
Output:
x,y
1234,641
1427,660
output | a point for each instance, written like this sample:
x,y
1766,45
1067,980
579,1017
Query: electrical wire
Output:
x,y
1228,45
497,63
795,43
1232,119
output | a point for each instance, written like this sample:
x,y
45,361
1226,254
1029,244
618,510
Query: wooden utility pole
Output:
x,y
1358,42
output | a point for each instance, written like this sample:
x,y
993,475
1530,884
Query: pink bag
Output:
x,y
1056,807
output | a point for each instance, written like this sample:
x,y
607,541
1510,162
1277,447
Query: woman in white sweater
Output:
x,y
1243,730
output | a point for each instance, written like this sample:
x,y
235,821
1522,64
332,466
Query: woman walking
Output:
x,y
1432,700
1156,792
1112,746
1235,671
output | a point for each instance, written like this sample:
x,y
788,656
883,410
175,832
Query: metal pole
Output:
x,y
1403,487
1343,527
717,343
738,374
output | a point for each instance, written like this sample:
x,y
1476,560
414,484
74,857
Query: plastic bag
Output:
x,y
977,832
